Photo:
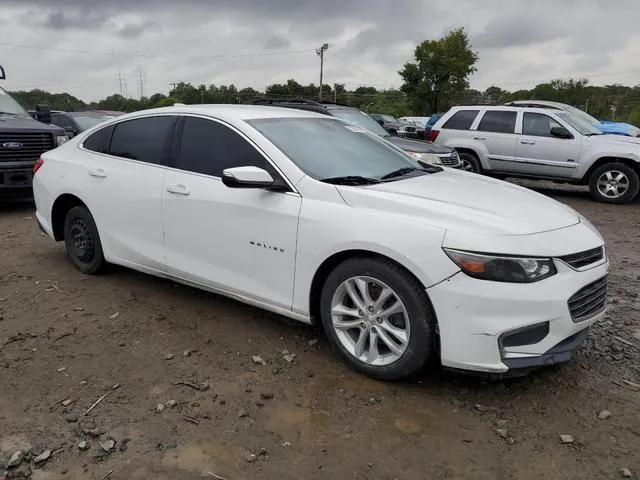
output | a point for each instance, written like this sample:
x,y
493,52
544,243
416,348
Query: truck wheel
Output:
x,y
470,162
378,317
82,241
614,183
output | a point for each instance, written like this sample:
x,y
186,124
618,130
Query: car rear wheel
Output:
x,y
470,162
82,241
378,317
614,183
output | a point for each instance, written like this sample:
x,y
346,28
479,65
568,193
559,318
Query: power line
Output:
x,y
151,55
346,62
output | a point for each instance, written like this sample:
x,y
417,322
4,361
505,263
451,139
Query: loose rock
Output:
x,y
258,360
313,342
480,408
108,445
83,445
169,356
186,353
625,472
16,459
604,414
171,404
502,432
251,457
160,408
289,358
266,396
43,457
243,414
566,438
67,402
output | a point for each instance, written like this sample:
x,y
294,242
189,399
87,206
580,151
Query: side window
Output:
x,y
142,139
538,125
461,120
209,147
99,141
498,122
60,120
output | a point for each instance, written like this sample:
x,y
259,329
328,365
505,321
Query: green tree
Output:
x,y
440,72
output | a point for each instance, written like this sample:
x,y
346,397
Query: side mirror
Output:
x,y
381,122
70,131
247,177
43,113
561,132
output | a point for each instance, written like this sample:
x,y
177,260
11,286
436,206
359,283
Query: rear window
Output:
x,y
99,141
461,120
498,122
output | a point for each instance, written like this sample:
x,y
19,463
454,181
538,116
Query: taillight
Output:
x,y
433,134
37,165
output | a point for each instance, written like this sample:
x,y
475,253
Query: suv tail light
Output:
x,y
433,134
37,165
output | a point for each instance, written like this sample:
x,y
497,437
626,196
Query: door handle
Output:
x,y
97,172
479,138
178,189
528,142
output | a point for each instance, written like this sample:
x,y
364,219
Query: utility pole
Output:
x,y
320,51
141,81
335,93
120,83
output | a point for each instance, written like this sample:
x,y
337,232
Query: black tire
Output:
x,y
421,318
632,181
82,241
472,161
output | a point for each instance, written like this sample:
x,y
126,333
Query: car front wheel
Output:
x,y
82,241
470,163
378,317
614,183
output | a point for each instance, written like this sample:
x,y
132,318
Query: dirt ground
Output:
x,y
66,340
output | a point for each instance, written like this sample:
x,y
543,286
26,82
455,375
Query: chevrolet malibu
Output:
x,y
318,220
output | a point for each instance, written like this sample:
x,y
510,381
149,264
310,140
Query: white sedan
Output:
x,y
318,220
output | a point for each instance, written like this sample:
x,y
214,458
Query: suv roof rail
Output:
x,y
272,101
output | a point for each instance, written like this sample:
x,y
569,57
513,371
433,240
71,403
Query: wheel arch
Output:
x,y
330,263
609,159
59,210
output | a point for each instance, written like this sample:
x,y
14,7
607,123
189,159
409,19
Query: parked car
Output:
x,y
390,124
22,141
422,151
608,127
542,144
431,122
314,218
419,123
76,122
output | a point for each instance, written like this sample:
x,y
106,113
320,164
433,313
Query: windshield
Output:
x,y
388,118
330,148
581,125
361,119
576,112
9,106
87,121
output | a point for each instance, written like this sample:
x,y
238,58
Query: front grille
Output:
x,y
33,145
450,159
589,301
583,259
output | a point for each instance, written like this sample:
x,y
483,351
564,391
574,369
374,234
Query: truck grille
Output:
x,y
33,145
589,301
450,159
583,259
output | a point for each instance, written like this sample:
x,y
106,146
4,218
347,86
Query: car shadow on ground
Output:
x,y
16,206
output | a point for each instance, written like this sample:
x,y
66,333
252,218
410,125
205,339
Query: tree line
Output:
x,y
437,79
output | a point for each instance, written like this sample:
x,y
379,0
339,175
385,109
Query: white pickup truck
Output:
x,y
542,144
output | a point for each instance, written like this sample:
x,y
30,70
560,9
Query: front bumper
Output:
x,y
16,179
475,316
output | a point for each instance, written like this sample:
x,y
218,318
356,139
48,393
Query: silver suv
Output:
x,y
542,144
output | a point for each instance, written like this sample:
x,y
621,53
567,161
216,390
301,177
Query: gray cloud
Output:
x,y
257,42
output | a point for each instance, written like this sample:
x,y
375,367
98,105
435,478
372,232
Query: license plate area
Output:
x,y
16,178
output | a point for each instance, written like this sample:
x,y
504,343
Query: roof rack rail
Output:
x,y
272,101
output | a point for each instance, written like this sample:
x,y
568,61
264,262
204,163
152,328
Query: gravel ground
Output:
x,y
185,399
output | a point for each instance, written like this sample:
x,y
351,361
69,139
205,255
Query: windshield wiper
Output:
x,y
594,134
401,172
350,180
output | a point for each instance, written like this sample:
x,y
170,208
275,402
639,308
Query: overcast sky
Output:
x,y
84,44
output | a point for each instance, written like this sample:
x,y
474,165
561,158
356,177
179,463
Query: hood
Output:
x,y
461,201
614,139
9,123
418,146
618,128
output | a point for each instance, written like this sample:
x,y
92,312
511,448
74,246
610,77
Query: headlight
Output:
x,y
426,157
60,139
502,268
